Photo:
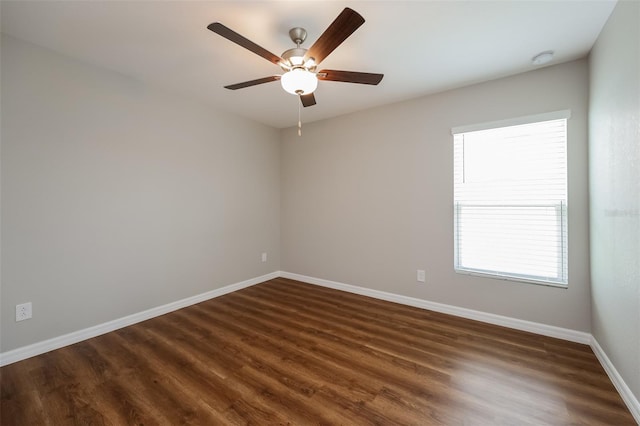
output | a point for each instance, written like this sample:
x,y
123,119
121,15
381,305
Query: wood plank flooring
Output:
x,y
285,352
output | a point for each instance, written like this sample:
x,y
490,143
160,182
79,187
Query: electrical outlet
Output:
x,y
420,276
23,311
264,257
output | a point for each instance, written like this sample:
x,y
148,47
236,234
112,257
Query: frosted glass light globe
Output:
x,y
299,81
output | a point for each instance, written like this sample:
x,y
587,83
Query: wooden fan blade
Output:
x,y
342,27
308,100
233,36
350,76
252,82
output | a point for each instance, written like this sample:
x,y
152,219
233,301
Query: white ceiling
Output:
x,y
421,47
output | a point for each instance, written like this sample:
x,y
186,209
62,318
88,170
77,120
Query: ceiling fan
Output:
x,y
299,64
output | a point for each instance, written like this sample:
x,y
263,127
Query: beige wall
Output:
x,y
614,150
117,197
367,199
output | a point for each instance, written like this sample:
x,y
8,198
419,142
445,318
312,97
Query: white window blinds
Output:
x,y
510,195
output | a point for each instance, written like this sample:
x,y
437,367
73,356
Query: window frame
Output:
x,y
564,224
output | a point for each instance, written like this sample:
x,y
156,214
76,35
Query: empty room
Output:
x,y
320,212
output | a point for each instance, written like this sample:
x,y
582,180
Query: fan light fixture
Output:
x,y
299,64
299,81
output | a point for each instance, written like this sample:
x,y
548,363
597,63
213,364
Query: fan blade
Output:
x,y
344,25
308,100
252,82
350,76
233,36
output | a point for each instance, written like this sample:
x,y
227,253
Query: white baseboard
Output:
x,y
518,324
38,348
625,393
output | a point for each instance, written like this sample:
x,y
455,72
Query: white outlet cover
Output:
x,y
420,276
264,257
23,311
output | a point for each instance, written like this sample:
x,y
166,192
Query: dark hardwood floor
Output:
x,y
284,352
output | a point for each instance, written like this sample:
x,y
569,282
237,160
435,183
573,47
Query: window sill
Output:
x,y
511,278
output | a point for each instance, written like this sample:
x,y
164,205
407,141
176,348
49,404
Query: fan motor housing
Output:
x,y
295,56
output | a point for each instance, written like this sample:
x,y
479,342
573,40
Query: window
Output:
x,y
510,199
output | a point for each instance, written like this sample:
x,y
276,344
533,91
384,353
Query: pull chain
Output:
x,y
299,120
